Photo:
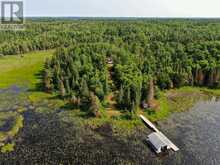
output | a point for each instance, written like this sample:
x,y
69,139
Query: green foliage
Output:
x,y
174,53
95,106
151,49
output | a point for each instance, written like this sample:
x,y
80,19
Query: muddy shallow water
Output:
x,y
47,139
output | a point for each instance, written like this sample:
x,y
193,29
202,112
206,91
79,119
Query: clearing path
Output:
x,y
111,100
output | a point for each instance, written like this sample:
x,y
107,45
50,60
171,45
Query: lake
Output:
x,y
51,139
196,133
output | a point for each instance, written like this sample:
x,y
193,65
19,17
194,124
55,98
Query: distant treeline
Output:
x,y
171,53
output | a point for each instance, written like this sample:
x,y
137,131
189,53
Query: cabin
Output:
x,y
157,143
109,61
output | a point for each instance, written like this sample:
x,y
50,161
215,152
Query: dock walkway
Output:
x,y
162,136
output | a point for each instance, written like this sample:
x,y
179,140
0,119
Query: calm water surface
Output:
x,y
196,133
45,139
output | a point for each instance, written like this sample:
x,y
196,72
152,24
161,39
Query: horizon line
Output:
x,y
140,17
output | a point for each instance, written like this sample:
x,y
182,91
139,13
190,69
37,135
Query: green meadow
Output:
x,y
22,70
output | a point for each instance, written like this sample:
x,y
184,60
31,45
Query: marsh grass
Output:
x,y
8,147
13,128
179,100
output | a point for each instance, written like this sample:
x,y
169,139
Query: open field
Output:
x,y
15,72
22,71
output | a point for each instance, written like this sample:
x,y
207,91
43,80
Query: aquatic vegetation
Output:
x,y
184,98
9,147
50,140
16,126
13,123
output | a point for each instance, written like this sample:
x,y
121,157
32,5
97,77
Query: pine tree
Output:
x,y
94,105
150,96
48,81
84,88
133,107
67,86
73,84
133,110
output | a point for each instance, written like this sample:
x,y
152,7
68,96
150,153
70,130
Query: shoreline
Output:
x,y
171,101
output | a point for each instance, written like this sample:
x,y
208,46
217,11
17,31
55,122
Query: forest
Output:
x,y
127,60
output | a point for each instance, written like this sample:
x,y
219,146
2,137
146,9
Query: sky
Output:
x,y
123,8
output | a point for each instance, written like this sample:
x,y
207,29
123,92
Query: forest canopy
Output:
x,y
96,57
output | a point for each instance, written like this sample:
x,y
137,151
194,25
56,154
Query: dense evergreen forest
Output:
x,y
132,59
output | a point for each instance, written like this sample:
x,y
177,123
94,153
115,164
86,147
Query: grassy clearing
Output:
x,y
198,90
22,71
162,113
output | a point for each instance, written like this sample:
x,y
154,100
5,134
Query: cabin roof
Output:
x,y
156,140
109,60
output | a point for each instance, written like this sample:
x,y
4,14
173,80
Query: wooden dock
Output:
x,y
162,136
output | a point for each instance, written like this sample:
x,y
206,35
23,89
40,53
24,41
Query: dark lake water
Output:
x,y
196,133
48,139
